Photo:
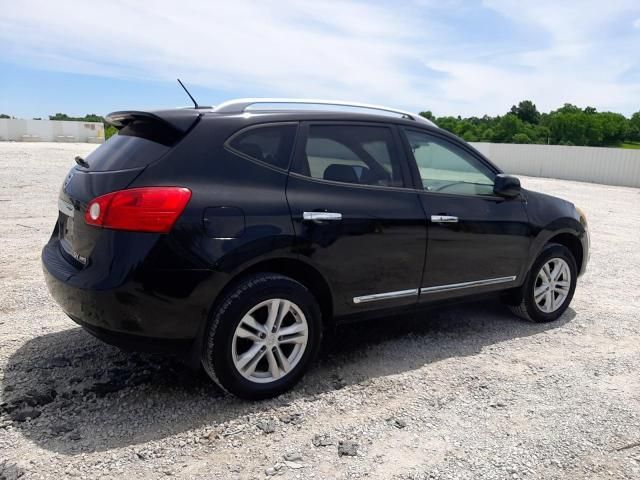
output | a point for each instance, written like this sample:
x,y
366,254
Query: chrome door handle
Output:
x,y
321,216
444,219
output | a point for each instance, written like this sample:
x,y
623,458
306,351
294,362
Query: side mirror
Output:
x,y
506,185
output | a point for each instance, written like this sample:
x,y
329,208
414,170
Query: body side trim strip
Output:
x,y
458,286
438,288
386,296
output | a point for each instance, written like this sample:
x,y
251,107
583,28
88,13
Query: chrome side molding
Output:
x,y
438,288
459,286
321,216
386,296
444,219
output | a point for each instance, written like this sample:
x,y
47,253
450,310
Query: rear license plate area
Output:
x,y
66,219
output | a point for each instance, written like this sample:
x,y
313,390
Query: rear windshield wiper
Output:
x,y
81,161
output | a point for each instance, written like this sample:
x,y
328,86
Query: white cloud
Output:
x,y
636,23
398,54
582,61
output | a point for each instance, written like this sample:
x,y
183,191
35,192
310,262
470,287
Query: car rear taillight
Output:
x,y
147,209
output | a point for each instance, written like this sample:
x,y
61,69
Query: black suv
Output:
x,y
239,233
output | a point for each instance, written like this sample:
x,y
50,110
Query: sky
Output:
x,y
452,57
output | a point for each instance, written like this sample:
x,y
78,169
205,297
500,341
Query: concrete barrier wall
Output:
x,y
19,130
609,166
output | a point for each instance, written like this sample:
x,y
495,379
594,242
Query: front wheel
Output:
x,y
262,337
549,287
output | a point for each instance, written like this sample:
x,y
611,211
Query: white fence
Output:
x,y
19,130
609,166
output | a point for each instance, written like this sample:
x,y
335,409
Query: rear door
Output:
x,y
354,218
477,241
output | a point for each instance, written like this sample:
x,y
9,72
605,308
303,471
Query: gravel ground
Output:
x,y
464,392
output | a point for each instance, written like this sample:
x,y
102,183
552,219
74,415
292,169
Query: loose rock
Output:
x,y
321,440
267,425
347,448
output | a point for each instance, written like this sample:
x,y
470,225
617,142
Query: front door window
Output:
x,y
446,168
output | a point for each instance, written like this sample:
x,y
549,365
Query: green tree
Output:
x,y
526,111
614,127
569,108
520,138
428,115
92,117
470,136
487,135
568,125
60,116
109,131
507,127
4,115
634,127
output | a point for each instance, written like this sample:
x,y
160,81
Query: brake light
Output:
x,y
147,209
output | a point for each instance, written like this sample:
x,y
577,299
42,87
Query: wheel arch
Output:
x,y
298,270
570,236
573,243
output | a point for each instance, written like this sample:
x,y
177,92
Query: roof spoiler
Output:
x,y
179,120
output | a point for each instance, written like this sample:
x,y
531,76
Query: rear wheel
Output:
x,y
549,287
262,337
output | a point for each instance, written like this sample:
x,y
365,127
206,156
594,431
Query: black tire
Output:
x,y
217,350
525,306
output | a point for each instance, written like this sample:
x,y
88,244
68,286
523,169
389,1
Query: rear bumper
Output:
x,y
137,343
144,311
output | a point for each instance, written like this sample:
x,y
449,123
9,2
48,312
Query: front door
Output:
x,y
354,219
477,241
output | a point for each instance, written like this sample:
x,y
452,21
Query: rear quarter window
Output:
x,y
271,144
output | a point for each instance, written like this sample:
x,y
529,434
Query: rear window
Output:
x,y
123,152
271,144
352,154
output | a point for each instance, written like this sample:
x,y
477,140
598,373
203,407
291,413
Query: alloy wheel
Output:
x,y
270,340
552,285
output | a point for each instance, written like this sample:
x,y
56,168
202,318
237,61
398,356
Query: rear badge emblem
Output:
x,y
67,180
79,257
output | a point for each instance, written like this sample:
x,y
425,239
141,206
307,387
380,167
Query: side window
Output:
x,y
270,144
352,154
448,169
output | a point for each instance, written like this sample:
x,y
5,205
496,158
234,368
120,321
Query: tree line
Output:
x,y
568,125
109,130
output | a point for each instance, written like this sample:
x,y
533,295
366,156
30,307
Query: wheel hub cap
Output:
x,y
270,340
552,285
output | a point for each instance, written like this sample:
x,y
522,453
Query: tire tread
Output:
x,y
523,308
234,294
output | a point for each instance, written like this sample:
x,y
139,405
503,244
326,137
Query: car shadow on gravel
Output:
x,y
72,394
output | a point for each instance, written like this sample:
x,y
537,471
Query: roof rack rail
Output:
x,y
241,105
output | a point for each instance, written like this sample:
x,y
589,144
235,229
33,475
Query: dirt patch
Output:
x,y
464,392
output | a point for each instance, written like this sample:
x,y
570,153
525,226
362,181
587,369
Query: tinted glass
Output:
x,y
122,152
270,144
448,169
352,154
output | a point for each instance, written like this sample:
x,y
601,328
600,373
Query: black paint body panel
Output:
x,y
244,214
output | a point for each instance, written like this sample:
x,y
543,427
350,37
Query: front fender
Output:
x,y
550,218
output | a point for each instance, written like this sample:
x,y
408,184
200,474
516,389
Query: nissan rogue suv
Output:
x,y
239,233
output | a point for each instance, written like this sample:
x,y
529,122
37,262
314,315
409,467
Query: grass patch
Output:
x,y
630,145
